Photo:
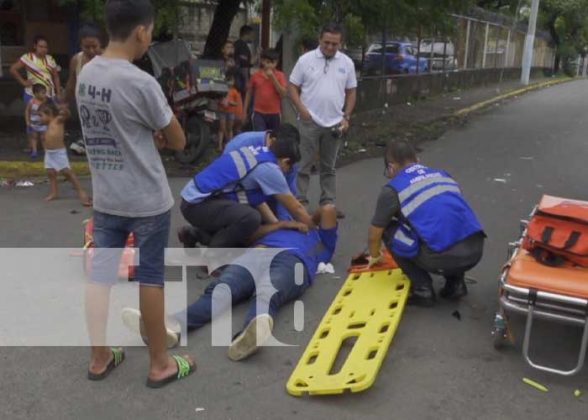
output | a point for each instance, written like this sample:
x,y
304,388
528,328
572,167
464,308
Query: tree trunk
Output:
x,y
225,12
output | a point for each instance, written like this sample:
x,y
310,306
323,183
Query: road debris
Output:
x,y
456,315
502,180
535,385
199,409
526,158
577,393
24,184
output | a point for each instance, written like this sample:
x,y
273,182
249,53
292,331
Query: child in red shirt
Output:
x,y
231,110
266,87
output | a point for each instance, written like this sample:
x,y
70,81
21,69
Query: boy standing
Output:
x,y
35,127
267,87
120,108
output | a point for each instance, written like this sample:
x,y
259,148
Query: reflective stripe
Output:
x,y
400,236
242,197
427,195
404,194
251,159
239,163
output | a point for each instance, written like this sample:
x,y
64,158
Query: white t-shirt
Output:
x,y
120,106
323,83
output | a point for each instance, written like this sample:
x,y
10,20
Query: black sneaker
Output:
x,y
340,214
454,290
423,296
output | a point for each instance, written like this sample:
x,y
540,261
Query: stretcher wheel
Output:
x,y
500,337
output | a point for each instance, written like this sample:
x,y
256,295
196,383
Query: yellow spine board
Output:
x,y
367,309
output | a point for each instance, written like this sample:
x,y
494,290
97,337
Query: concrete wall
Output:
x,y
375,93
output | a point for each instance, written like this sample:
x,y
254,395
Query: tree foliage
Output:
x,y
368,17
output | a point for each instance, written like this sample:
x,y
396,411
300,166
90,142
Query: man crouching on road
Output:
x,y
426,224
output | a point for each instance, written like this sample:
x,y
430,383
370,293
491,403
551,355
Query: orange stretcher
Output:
x,y
527,287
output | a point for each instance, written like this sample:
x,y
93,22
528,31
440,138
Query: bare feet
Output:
x,y
50,197
171,368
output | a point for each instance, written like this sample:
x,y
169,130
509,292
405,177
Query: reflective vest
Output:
x,y
224,175
433,211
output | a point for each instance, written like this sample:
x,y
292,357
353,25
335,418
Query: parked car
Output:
x,y
400,58
441,52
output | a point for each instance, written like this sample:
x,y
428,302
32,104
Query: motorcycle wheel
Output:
x,y
197,140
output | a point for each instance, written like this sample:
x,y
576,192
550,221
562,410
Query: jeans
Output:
x,y
230,224
264,122
314,140
269,293
151,238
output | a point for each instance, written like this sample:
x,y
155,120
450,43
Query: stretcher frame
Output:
x,y
537,304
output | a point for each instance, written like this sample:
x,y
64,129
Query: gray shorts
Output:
x,y
56,159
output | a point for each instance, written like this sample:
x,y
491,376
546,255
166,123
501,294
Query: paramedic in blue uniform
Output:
x,y
425,222
226,202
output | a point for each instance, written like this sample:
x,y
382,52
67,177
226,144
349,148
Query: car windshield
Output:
x,y
390,49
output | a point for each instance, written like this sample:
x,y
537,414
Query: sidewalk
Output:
x,y
420,121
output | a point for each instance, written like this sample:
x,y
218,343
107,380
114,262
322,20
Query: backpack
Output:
x,y
558,232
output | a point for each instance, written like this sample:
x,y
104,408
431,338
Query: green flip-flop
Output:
x,y
184,370
118,356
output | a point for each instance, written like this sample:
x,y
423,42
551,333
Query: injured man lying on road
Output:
x,y
268,288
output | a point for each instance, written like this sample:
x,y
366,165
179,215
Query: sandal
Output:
x,y
184,370
118,356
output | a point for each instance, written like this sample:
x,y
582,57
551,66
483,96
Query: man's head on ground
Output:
x,y
130,24
285,147
48,111
330,39
40,91
308,44
228,50
246,33
399,155
40,46
91,40
269,58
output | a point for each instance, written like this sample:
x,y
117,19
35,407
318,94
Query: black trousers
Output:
x,y
230,224
452,263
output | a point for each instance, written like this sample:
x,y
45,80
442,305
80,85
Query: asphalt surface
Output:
x,y
438,367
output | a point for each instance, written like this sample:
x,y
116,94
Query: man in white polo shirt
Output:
x,y
323,90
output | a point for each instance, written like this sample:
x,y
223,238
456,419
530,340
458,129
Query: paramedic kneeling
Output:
x,y
226,202
427,225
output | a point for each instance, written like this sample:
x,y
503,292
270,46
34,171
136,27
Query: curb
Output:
x,y
23,169
466,111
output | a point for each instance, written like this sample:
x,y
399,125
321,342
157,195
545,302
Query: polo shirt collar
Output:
x,y
318,54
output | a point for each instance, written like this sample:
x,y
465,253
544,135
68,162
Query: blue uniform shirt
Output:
x,y
314,247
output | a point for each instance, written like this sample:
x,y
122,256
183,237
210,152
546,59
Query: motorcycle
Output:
x,y
193,88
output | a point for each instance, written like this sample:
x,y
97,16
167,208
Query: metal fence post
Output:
x,y
506,62
467,45
485,45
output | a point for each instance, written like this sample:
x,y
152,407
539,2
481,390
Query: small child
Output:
x,y
56,160
35,127
231,108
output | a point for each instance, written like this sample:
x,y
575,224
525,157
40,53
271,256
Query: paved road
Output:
x,y
437,368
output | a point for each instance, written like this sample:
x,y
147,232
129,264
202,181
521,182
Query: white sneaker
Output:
x,y
131,318
251,338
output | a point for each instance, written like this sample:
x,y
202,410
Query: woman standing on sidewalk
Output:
x,y
40,68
